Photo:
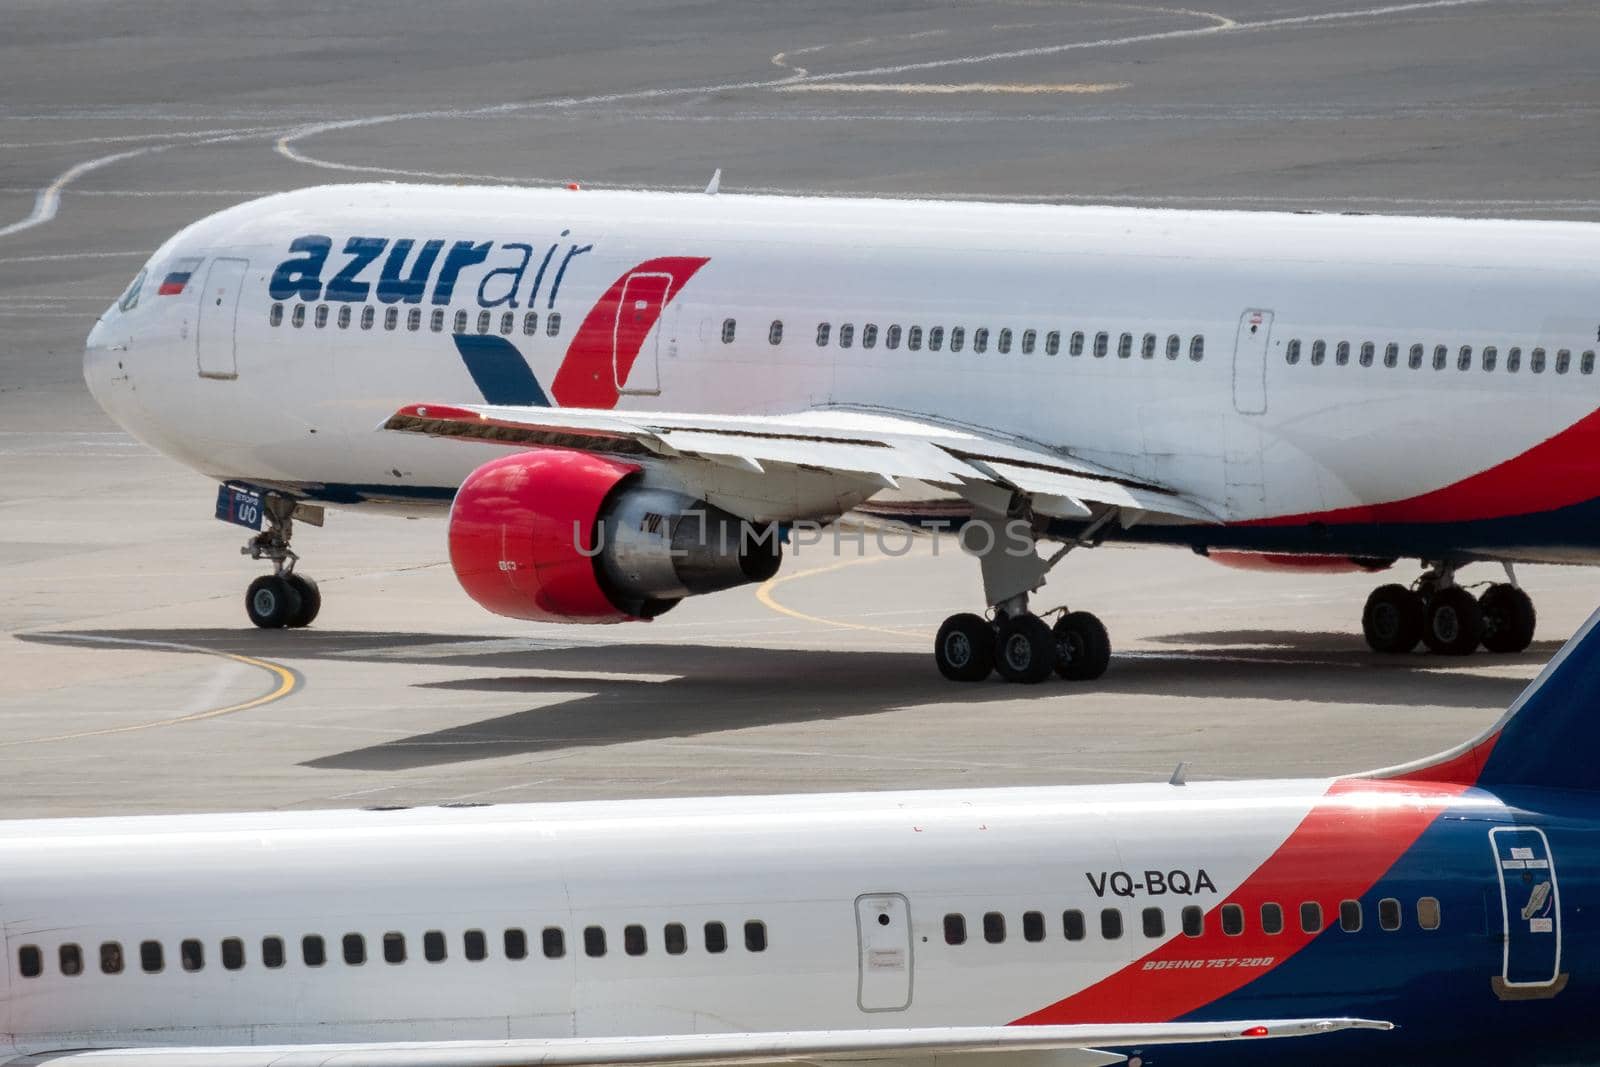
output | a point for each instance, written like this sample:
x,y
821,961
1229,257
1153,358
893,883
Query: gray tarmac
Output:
x,y
129,679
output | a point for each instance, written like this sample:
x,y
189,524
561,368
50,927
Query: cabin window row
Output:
x,y
1440,358
392,947
505,323
1003,340
1231,921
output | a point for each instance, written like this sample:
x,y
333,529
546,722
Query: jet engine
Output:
x,y
561,536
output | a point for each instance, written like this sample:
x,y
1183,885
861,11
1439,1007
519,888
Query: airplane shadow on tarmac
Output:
x,y
709,688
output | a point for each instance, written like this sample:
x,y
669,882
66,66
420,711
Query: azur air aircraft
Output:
x,y
1433,914
627,398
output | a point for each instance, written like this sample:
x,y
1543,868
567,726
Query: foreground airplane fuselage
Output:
x,y
1349,386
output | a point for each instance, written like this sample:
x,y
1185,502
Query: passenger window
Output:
x,y
30,961
1464,358
1072,924
1310,917
716,937
475,946
433,946
1563,360
955,929
391,318
1391,355
755,935
312,951
555,943
1341,354
111,957
394,947
1147,350
552,324
1111,923
484,319
1029,338
321,319
935,338
344,317
1154,922
272,952
460,322
775,332
1194,921
729,327
508,322
1003,342
891,337
275,316
594,941
151,958
192,954
914,338
633,942
823,329
1350,916
1125,346
70,957
1033,926
515,943
1490,354
1414,359
1101,342
1536,361
1197,348
1368,350
847,335
414,319
530,324
994,927
675,939
1291,353
1052,343
1513,360
1441,356
1586,362
1428,913
1271,919
1232,920
1319,352
1388,914
980,340
869,335
436,320
355,949
232,954
1075,348
298,319
958,337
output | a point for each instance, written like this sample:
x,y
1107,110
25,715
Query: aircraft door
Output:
x,y
883,937
1530,914
1250,362
639,312
214,341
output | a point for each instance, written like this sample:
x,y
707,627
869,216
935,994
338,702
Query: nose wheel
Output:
x,y
283,598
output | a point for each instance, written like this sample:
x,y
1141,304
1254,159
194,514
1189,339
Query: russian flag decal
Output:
x,y
177,279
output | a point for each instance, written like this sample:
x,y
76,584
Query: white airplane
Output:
x,y
1054,927
621,391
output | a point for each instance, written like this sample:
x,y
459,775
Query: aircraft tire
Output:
x,y
1392,620
1083,648
964,649
310,600
1025,650
1508,618
1454,623
271,602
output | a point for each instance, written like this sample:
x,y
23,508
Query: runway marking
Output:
x,y
445,649
124,138
933,88
288,680
73,255
48,200
765,589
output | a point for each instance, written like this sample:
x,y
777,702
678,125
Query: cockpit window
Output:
x,y
130,299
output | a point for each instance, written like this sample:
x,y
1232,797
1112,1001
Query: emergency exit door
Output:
x,y
214,335
1250,362
634,363
883,932
1530,912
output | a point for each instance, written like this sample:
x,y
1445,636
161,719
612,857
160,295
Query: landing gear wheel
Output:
x,y
271,602
1025,650
1083,649
1508,618
1454,624
964,649
1393,618
310,599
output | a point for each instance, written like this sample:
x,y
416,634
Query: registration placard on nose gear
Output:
x,y
240,506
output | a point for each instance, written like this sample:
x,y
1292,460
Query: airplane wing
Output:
x,y
1072,1046
879,449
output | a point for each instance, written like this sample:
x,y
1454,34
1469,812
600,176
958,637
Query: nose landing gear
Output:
x,y
282,598
1447,618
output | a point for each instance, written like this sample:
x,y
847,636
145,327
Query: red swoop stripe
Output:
x,y
1338,852
1557,473
618,324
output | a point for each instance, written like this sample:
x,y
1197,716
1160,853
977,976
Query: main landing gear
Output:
x,y
1447,618
1015,643
282,598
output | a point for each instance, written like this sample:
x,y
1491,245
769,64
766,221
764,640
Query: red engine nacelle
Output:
x,y
1286,561
559,536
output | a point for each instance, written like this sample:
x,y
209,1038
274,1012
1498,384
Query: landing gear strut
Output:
x,y
282,598
1447,618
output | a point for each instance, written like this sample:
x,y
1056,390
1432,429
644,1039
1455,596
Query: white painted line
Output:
x,y
48,200
73,255
1022,89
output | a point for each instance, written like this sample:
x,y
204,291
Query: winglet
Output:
x,y
716,182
